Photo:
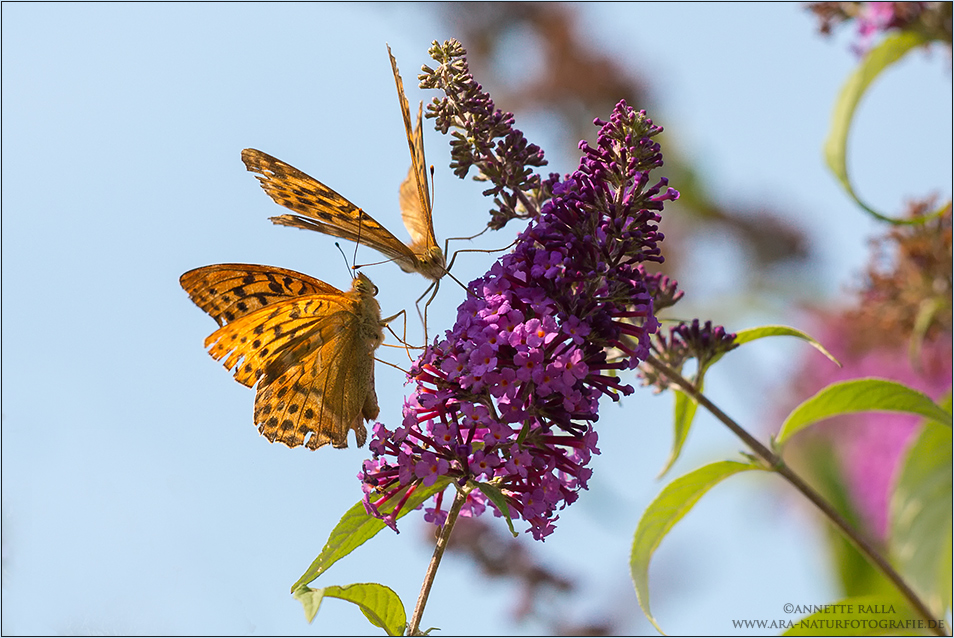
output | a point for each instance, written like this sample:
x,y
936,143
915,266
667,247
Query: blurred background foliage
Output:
x,y
878,329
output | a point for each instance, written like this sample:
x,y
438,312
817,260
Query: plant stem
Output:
x,y
459,498
776,463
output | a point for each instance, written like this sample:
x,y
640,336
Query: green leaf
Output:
x,y
685,408
357,526
670,506
751,334
860,395
891,49
856,616
378,603
684,411
496,496
920,517
310,599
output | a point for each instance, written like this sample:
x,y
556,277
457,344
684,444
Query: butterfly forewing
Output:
x,y
309,346
324,209
415,210
230,291
415,143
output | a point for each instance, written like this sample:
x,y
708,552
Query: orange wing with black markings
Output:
x,y
322,209
309,347
414,196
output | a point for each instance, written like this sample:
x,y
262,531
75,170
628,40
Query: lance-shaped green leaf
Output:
x,y
684,411
856,616
891,49
378,603
860,395
670,506
920,516
751,334
357,526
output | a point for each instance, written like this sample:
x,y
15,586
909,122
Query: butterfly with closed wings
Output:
x,y
309,347
324,210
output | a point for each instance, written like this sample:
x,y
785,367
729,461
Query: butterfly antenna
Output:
x,y
354,259
433,188
347,265
376,263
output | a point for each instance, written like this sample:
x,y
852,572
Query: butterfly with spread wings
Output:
x,y
309,347
322,209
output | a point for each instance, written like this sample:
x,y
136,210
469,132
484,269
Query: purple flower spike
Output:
x,y
510,395
484,138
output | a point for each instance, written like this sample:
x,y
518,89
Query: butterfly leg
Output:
x,y
402,340
454,256
388,363
404,343
471,250
479,250
435,286
472,237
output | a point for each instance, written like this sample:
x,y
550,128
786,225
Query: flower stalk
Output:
x,y
776,464
414,627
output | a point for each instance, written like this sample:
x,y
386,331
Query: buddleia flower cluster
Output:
x,y
703,342
509,398
484,137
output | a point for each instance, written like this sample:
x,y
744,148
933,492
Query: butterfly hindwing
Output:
x,y
265,343
326,389
414,196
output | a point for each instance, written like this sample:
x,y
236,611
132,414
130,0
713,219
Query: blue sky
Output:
x,y
137,495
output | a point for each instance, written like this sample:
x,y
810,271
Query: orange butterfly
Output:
x,y
324,210
309,346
